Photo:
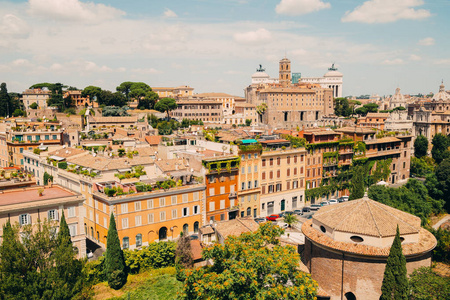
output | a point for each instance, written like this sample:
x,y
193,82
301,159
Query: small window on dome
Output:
x,y
357,239
402,239
323,229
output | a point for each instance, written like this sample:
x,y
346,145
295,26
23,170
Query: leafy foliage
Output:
x,y
342,107
154,256
290,219
47,177
422,166
33,105
440,151
114,260
443,181
166,105
251,266
357,184
420,146
442,250
183,256
367,108
427,285
395,282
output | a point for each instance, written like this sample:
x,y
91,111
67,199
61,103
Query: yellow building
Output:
x,y
174,92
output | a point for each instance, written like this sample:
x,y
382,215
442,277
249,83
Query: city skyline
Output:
x,y
216,46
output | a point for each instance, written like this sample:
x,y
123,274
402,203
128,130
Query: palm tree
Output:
x,y
290,219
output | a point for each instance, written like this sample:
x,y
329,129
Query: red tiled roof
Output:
x,y
196,250
29,195
153,139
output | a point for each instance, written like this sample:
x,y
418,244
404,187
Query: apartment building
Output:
x,y
206,110
38,96
282,178
78,100
222,177
26,206
249,186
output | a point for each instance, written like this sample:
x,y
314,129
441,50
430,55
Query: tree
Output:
x,y
342,107
440,151
94,92
367,108
125,88
18,112
5,101
33,105
13,267
183,256
251,266
427,285
248,122
443,181
166,105
357,184
395,282
290,219
420,146
114,261
422,166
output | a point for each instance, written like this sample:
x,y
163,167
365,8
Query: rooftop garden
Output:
x,y
136,172
118,189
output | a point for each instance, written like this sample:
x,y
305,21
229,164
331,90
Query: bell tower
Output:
x,y
285,72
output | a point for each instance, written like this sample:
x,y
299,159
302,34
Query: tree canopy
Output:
x,y
426,284
440,151
420,146
342,107
114,261
251,266
166,105
367,108
139,91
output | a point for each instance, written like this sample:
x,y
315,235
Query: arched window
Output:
x,y
196,227
283,205
125,243
163,233
138,240
249,211
186,229
350,296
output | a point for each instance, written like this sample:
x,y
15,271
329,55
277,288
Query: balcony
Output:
x,y
383,153
234,208
232,195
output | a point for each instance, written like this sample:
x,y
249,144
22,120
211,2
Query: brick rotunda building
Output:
x,y
347,245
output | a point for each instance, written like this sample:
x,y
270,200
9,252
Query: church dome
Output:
x,y
260,75
333,74
367,226
442,94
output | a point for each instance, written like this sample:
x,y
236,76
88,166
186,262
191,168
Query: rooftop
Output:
x,y
10,197
236,227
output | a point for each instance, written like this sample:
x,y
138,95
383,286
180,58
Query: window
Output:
x,y
295,184
271,162
288,186
262,206
288,159
295,159
222,217
138,221
54,137
162,216
47,137
138,240
73,230
150,218
196,196
185,211
263,189
105,222
243,170
24,219
174,200
211,191
256,169
71,211
53,215
249,169
243,157
249,156
196,210
263,162
21,150
222,204
125,243
278,173
263,175
124,207
271,175
288,172
211,206
294,202
255,155
137,206
150,203
185,198
249,184
271,188
256,183
174,213
222,190
278,161
162,202
278,187
124,223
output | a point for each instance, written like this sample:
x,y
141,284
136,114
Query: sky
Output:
x,y
215,46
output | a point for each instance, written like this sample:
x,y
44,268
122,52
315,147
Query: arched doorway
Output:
x,y
151,235
249,211
138,240
283,205
196,227
185,229
350,296
163,233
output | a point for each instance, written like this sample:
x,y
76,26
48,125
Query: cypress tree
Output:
x,y
13,266
68,271
114,261
357,184
395,282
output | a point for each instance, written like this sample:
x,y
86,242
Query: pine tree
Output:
x,y
357,184
13,266
395,282
114,261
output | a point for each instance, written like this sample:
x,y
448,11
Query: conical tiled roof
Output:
x,y
367,217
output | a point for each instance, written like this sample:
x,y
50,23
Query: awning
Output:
x,y
124,170
57,158
249,141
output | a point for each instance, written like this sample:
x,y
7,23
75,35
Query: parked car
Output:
x,y
315,206
308,215
324,203
193,237
333,201
260,220
273,217
288,213
306,209
298,212
342,199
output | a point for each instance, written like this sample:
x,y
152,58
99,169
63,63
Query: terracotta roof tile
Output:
x,y
236,227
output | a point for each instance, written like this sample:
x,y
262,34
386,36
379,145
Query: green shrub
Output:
x,y
62,165
154,256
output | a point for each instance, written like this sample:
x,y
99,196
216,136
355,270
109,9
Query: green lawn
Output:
x,y
158,284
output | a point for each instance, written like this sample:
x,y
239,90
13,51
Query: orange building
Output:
x,y
78,100
142,216
221,187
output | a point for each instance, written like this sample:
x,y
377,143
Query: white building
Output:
x,y
332,80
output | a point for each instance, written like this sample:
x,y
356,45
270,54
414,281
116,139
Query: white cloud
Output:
x,y
73,10
393,62
300,7
429,41
445,62
386,11
145,71
253,37
14,26
170,13
414,57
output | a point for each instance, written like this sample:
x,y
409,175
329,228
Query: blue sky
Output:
x,y
215,46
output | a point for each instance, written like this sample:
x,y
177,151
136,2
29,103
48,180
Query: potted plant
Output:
x,y
40,191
